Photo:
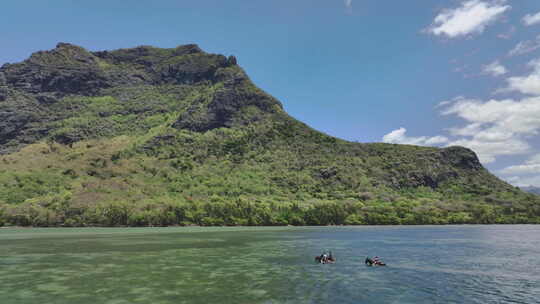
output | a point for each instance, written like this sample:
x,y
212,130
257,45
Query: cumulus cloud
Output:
x,y
494,69
472,17
491,128
499,127
399,137
529,19
524,181
525,47
487,151
528,84
497,116
495,127
468,130
530,166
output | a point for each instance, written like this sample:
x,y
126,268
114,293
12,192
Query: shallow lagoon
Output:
x,y
427,264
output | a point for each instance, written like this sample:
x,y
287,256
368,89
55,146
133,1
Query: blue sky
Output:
x,y
427,72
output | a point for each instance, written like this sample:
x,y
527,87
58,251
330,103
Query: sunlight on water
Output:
x,y
453,264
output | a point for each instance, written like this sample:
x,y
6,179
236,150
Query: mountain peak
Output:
x,y
65,55
71,69
42,81
67,45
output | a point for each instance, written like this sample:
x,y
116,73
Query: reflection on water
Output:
x,y
427,264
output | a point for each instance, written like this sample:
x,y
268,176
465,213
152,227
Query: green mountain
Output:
x,y
150,136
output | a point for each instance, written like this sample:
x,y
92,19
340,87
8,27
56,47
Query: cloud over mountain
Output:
x,y
398,137
492,128
532,165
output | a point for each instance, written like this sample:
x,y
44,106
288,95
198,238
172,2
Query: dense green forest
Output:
x,y
151,137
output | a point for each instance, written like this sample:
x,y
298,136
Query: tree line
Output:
x,y
245,212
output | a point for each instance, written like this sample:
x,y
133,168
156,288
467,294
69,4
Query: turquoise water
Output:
x,y
426,264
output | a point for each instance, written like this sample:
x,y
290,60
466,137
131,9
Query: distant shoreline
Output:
x,y
286,226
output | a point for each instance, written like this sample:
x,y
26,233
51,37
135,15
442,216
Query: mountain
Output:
x,y
531,189
150,136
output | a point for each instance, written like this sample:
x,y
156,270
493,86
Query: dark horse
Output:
x,y
328,260
370,262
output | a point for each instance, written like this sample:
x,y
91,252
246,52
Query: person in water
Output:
x,y
322,258
377,261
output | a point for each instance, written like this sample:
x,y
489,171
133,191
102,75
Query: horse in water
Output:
x,y
374,262
327,260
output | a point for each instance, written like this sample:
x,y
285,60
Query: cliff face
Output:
x,y
70,69
183,117
28,89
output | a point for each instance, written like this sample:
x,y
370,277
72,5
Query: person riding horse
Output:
x,y
325,258
375,261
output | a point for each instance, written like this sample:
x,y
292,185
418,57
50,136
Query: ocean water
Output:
x,y
426,264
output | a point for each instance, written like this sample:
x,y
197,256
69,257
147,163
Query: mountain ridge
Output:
x,y
185,117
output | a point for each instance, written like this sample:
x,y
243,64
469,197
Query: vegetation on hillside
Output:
x,y
151,136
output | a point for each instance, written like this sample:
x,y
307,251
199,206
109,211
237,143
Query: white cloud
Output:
x,y
448,102
531,19
398,137
487,151
529,84
495,127
499,127
435,140
524,181
531,166
494,69
525,47
521,169
500,118
468,130
471,17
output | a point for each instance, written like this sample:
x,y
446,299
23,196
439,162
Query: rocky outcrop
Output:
x,y
29,88
226,107
70,69
186,64
449,164
3,87
461,157
65,70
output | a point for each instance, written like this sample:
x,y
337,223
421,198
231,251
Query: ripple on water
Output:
x,y
460,264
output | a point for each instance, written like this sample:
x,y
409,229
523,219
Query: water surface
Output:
x,y
426,264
